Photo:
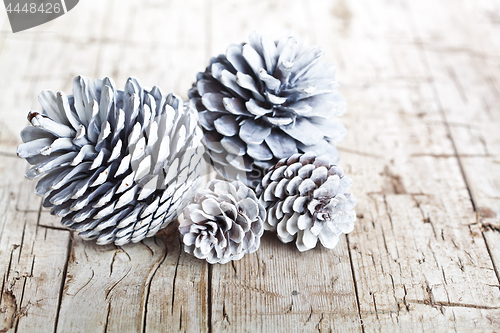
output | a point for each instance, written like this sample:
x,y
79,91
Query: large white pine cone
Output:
x,y
266,100
224,223
117,165
306,200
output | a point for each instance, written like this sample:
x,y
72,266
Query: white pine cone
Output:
x,y
117,165
266,100
306,200
225,221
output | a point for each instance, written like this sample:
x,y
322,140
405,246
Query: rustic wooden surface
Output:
x,y
422,81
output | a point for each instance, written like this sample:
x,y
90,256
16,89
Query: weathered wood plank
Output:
x,y
178,295
40,302
418,255
469,94
279,289
15,225
32,258
148,286
105,286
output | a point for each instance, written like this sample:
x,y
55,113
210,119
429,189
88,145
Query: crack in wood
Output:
x,y
354,282
69,250
425,217
225,317
108,312
23,311
175,274
70,278
289,308
452,304
234,269
148,284
180,318
310,314
395,182
375,305
258,263
108,291
147,247
209,297
22,241
318,325
51,227
405,302
495,268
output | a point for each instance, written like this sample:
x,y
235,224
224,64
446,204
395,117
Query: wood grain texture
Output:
x,y
422,81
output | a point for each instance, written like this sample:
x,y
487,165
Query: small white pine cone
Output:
x,y
225,221
117,165
306,200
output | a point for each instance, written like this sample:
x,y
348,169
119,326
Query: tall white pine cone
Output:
x,y
117,165
306,200
266,100
224,222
